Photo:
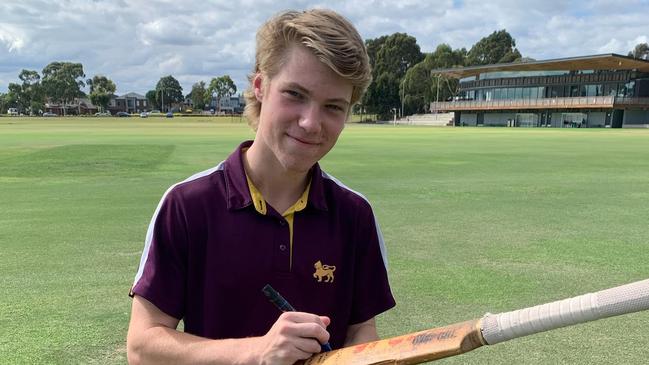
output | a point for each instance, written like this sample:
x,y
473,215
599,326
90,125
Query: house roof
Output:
x,y
131,95
609,61
85,102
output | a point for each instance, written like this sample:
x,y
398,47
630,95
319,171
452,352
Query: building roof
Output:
x,y
609,61
131,95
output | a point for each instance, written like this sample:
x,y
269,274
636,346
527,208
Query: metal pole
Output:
x,y
403,96
437,97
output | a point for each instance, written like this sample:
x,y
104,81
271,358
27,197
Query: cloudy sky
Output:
x,y
136,42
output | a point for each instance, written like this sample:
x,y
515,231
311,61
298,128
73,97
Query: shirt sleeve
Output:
x,y
372,294
162,273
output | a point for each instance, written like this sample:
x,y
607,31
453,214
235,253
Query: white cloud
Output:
x,y
612,46
136,42
13,39
172,65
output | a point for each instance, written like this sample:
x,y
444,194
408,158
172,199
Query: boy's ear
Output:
x,y
257,84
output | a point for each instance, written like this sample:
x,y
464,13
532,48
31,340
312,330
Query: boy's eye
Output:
x,y
293,94
335,107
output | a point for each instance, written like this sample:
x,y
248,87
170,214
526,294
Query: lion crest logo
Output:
x,y
325,272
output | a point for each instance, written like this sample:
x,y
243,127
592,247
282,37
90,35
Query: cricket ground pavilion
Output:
x,y
607,90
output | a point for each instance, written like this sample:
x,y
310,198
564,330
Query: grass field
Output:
x,y
475,220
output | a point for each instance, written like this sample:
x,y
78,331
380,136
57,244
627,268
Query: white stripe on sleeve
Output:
x,y
149,232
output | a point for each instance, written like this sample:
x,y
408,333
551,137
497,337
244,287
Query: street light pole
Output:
x,y
403,95
437,97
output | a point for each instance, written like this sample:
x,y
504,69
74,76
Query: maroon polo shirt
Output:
x,y
208,253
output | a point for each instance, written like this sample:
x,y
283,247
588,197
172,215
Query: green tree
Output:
x,y
446,57
498,47
390,58
221,87
28,96
368,101
152,98
199,95
62,82
640,51
420,86
15,97
169,91
3,103
101,90
414,88
373,46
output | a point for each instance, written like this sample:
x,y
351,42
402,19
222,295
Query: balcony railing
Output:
x,y
545,103
632,101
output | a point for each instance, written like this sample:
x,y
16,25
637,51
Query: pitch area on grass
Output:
x,y
475,220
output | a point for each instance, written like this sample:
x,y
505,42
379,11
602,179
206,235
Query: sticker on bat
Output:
x,y
430,336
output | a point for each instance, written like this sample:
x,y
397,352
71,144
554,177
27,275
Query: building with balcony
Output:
x,y
228,104
608,90
130,103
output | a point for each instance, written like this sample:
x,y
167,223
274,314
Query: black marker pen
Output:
x,y
284,306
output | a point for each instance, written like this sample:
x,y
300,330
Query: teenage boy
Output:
x,y
269,215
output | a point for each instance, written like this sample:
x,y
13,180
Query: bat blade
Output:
x,y
413,348
491,329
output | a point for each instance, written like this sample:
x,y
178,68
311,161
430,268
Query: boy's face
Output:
x,y
303,110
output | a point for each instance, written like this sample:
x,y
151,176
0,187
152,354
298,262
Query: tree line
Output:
x,y
62,82
168,91
402,79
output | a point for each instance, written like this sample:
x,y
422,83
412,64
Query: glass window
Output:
x,y
574,91
541,91
629,89
527,92
592,90
510,93
518,93
642,87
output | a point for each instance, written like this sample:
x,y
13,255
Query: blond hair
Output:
x,y
328,35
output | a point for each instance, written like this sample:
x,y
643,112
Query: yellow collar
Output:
x,y
260,203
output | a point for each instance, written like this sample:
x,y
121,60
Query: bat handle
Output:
x,y
623,299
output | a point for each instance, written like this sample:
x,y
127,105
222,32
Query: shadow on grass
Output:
x,y
86,160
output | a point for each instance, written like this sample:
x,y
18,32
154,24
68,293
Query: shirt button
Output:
x,y
282,247
282,222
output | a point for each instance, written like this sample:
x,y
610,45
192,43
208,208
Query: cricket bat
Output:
x,y
455,339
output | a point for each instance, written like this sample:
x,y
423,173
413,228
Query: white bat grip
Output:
x,y
622,299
